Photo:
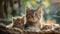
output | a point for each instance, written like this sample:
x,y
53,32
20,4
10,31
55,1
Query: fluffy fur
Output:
x,y
17,22
33,18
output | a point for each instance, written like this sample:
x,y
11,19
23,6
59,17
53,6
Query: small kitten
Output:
x,y
49,24
17,22
33,18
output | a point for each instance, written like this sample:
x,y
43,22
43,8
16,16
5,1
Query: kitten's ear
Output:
x,y
27,8
14,18
39,8
23,17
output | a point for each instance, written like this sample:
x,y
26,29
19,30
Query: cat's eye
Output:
x,y
36,14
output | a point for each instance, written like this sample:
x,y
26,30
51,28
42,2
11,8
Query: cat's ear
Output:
x,y
23,17
27,8
39,8
14,19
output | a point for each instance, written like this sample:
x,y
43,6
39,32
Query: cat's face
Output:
x,y
18,21
33,15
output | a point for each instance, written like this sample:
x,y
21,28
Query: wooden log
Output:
x,y
56,32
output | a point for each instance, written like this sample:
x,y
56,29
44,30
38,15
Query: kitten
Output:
x,y
33,18
17,22
49,25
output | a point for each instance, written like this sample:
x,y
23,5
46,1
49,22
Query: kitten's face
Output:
x,y
18,21
33,15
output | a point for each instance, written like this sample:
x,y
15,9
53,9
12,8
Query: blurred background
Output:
x,y
11,8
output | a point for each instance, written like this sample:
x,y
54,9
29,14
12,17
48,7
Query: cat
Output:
x,y
33,18
49,25
17,22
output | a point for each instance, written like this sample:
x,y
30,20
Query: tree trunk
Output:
x,y
1,14
19,3
6,8
12,7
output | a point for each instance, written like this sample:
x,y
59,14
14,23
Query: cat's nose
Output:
x,y
33,18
